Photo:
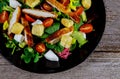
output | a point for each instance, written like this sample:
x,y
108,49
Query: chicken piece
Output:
x,y
14,3
39,13
27,33
64,9
74,17
15,18
59,6
55,37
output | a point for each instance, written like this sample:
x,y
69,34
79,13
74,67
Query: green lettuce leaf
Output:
x,y
79,37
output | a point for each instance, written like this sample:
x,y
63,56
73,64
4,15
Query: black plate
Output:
x,y
96,12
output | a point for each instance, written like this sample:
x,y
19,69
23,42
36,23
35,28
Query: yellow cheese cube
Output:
x,y
66,41
17,28
38,29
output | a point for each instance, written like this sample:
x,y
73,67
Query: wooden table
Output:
x,y
104,62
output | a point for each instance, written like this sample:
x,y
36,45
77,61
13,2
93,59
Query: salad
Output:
x,y
49,29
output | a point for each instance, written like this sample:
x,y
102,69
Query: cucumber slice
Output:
x,y
86,3
83,16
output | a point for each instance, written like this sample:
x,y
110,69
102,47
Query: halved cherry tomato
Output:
x,y
4,16
28,18
79,10
65,2
40,47
48,22
47,7
86,28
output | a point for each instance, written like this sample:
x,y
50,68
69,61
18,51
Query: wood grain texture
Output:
x,y
103,63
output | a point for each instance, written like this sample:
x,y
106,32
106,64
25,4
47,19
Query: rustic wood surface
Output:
x,y
104,62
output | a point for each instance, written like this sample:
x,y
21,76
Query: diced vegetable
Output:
x,y
77,25
32,3
27,55
40,47
22,44
53,28
48,22
17,28
19,37
37,22
11,44
7,8
64,54
66,41
86,3
38,30
5,25
83,16
56,47
47,7
37,57
79,37
50,55
14,3
67,22
3,16
28,18
74,3
86,28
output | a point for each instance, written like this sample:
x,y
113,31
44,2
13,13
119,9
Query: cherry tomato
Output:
x,y
48,22
47,7
40,47
79,10
4,16
28,18
86,28
65,2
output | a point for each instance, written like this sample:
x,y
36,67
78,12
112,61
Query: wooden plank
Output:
x,y
112,16
109,43
98,65
11,72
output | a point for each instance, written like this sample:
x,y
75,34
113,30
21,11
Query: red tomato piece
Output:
x,y
86,28
4,16
48,22
28,18
47,7
40,47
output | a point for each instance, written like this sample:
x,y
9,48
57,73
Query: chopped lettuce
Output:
x,y
64,54
79,37
53,28
30,54
4,5
73,4
57,47
77,25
